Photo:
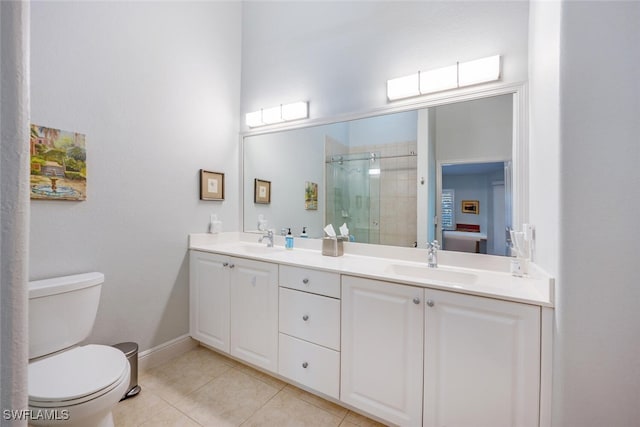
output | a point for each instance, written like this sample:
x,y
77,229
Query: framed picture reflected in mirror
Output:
x,y
471,207
262,191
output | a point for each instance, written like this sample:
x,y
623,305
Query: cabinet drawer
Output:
x,y
317,282
309,364
310,317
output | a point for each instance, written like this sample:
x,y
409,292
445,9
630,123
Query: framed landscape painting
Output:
x,y
310,196
58,164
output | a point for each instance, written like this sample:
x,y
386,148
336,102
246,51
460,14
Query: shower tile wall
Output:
x,y
398,193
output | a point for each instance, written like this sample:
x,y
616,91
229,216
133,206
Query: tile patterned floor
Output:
x,y
204,388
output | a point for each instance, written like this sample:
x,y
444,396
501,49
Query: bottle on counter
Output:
x,y
288,240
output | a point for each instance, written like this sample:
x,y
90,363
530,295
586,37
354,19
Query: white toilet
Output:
x,y
71,385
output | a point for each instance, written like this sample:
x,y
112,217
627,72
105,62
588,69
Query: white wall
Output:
x,y
544,130
597,369
155,87
544,165
339,55
475,131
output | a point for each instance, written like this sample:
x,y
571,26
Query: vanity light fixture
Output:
x,y
281,113
403,87
479,71
451,77
439,79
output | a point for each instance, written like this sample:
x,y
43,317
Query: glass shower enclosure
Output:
x,y
353,194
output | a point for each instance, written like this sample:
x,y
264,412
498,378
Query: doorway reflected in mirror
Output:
x,y
469,228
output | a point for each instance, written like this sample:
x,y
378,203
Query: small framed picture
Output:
x,y
471,207
262,191
211,185
311,196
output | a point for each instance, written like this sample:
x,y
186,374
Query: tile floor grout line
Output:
x,y
265,404
187,415
259,378
317,406
172,403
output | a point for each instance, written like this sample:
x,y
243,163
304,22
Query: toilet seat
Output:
x,y
76,376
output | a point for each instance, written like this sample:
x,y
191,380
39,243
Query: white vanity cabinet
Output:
x,y
254,312
309,341
354,332
234,306
382,346
209,299
474,360
482,361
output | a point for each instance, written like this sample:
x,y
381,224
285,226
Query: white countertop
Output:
x,y
392,264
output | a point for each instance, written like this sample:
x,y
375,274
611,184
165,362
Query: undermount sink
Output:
x,y
259,249
427,273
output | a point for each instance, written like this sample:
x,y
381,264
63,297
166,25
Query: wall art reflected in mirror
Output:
x,y
385,176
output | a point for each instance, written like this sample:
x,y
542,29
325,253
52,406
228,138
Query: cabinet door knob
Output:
x,y
305,317
224,264
416,300
430,303
231,265
305,281
304,365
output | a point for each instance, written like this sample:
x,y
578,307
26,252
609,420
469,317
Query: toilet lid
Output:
x,y
75,373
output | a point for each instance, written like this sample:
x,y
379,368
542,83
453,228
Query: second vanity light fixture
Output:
x,y
281,113
452,77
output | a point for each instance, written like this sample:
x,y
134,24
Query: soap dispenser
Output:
x,y
304,233
288,240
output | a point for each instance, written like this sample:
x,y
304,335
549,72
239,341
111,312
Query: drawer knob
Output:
x,y
416,300
305,317
304,365
305,281
430,303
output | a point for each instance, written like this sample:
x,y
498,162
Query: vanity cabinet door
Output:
x,y
209,299
482,361
382,345
254,312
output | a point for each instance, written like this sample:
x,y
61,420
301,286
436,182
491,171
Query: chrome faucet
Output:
x,y
269,236
432,254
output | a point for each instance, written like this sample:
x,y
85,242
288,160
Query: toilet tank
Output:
x,y
62,311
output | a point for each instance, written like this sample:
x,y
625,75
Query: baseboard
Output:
x,y
164,352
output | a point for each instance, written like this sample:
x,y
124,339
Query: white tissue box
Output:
x,y
332,246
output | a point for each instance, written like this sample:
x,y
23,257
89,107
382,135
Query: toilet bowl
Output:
x,y
68,384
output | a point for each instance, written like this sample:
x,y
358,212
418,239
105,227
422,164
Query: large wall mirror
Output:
x,y
451,170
